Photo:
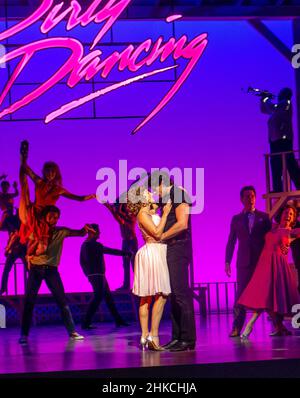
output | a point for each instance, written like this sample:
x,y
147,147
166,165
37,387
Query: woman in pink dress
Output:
x,y
151,274
273,286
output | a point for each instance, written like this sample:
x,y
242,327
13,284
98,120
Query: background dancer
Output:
x,y
273,286
93,265
48,189
248,228
7,204
45,267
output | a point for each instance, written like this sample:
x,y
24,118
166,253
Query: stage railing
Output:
x,y
212,297
275,200
16,281
215,297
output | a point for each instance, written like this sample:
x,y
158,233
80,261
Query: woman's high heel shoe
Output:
x,y
152,346
144,343
280,331
246,333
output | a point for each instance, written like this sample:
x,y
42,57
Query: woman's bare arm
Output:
x,y
16,193
146,222
31,174
79,198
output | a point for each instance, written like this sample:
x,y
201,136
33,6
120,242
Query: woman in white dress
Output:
x,y
151,274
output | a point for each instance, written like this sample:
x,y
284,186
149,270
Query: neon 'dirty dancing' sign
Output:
x,y
80,66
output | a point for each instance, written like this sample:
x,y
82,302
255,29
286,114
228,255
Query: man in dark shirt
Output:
x,y
45,267
177,235
93,266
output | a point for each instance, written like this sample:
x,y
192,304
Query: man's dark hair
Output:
x,y
158,177
285,94
5,184
95,227
50,209
247,188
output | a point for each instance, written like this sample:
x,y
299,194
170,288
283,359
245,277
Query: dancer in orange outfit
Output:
x,y
48,189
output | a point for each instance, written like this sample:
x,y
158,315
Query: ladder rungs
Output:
x,y
290,194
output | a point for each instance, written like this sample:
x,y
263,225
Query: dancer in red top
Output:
x,y
273,286
48,190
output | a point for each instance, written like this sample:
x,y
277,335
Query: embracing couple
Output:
x,y
162,264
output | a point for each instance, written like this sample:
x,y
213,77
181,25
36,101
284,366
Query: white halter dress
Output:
x,y
151,274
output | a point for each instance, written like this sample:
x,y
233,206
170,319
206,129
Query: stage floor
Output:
x,y
108,351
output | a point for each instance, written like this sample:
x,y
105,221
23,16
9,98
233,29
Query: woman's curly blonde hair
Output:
x,y
136,200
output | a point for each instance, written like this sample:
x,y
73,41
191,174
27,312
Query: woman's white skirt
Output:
x,y
151,273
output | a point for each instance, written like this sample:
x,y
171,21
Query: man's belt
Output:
x,y
36,266
172,242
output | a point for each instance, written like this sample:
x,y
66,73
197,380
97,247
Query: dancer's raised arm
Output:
x,y
16,193
79,198
77,232
25,169
31,174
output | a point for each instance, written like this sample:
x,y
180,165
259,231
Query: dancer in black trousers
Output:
x,y
45,267
93,266
177,235
14,251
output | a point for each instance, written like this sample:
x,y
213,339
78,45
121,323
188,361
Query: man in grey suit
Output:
x,y
248,228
